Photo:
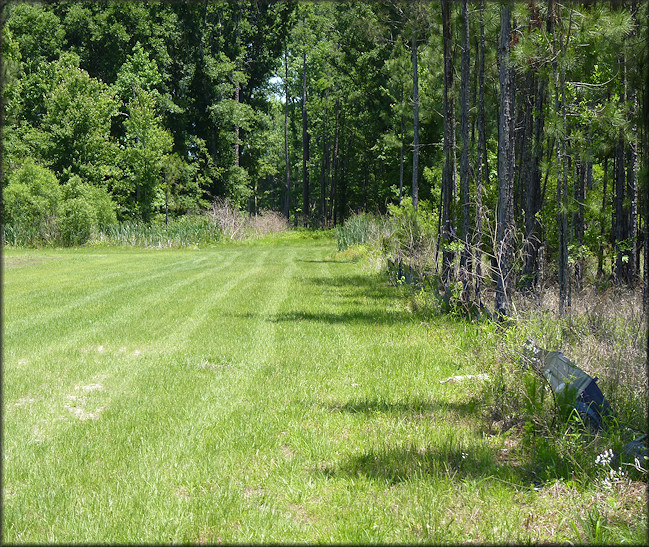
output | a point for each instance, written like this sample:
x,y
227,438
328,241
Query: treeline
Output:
x,y
517,125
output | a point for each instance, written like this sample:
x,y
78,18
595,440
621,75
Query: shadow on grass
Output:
x,y
357,285
399,464
416,408
322,261
449,459
372,317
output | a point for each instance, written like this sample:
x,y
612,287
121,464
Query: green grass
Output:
x,y
254,393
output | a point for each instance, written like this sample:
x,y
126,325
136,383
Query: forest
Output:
x,y
515,127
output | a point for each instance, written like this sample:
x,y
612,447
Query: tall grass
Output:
x,y
187,231
222,221
356,230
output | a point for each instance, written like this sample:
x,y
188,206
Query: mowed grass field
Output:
x,y
251,393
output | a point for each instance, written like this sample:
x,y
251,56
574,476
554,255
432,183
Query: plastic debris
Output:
x,y
572,385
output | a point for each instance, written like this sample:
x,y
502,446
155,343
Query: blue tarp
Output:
x,y
574,386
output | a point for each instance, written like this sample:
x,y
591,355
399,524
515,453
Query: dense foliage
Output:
x,y
521,117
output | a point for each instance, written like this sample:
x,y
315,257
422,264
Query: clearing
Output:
x,y
254,393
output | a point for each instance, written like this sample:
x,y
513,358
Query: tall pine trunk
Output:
x,y
579,182
401,151
532,178
562,170
482,175
287,189
415,142
602,223
632,192
447,173
334,171
464,161
505,212
305,149
323,170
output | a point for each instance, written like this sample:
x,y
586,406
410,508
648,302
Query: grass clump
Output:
x,y
185,231
355,231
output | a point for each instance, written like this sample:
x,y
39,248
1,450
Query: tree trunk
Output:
x,y
237,91
621,232
632,193
565,228
562,173
464,162
482,176
447,173
323,170
401,153
287,195
504,226
334,171
305,149
533,196
415,143
346,144
236,127
522,139
602,223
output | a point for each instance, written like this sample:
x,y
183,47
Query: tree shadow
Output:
x,y
395,465
448,459
415,408
374,317
355,286
322,261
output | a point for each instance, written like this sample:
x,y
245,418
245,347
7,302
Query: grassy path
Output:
x,y
242,394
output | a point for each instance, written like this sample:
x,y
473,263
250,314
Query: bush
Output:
x,y
78,217
99,199
413,235
236,224
31,203
268,222
228,218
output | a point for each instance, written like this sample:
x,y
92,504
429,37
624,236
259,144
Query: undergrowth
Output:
x,y
603,333
222,222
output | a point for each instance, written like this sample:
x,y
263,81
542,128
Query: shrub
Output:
x,y
235,224
31,203
413,236
78,217
102,205
268,222
228,218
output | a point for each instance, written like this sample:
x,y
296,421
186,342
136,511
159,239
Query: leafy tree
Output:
x,y
38,32
145,145
77,123
99,200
